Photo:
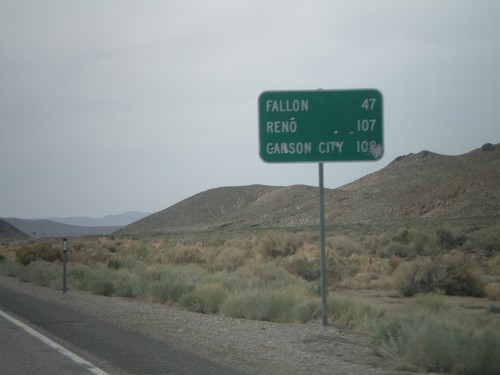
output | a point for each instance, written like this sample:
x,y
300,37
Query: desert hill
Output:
x,y
416,186
74,226
47,228
10,232
424,185
241,206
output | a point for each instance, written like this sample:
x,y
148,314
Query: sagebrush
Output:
x,y
273,275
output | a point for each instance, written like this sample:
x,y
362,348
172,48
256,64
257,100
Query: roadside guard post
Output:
x,y
321,126
65,261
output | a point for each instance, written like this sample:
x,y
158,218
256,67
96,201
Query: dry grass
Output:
x,y
273,275
464,260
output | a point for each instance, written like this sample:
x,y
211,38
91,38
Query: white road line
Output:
x,y
75,358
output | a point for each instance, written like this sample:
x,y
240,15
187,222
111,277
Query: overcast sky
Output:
x,y
113,106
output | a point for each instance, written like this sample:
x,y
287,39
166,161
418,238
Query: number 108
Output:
x,y
365,146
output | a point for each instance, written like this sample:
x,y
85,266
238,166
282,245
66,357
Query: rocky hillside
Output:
x,y
423,185
242,206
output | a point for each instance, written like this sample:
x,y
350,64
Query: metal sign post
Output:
x,y
324,306
321,126
65,261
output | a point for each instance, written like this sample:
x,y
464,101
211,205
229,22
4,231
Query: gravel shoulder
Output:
x,y
251,347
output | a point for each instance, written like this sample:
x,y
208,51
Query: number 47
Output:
x,y
368,103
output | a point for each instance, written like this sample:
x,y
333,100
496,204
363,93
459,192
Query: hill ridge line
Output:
x,y
425,185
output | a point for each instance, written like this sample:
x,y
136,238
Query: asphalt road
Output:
x,y
110,348
24,354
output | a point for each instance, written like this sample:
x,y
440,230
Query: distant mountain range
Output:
x,y
10,232
69,227
109,220
47,228
416,186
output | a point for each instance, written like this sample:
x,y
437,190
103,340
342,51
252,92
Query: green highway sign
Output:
x,y
320,126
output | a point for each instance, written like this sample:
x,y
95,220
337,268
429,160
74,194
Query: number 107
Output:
x,y
366,125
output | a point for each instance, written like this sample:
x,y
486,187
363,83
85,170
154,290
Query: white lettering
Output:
x,y
330,147
295,105
369,147
269,149
282,126
368,104
270,126
366,146
291,148
366,125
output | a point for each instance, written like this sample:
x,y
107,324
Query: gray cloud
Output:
x,y
109,106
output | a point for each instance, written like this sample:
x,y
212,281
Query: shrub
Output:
x,y
261,305
401,250
307,310
414,277
441,343
314,289
38,251
114,264
408,245
10,268
445,238
351,312
42,273
403,237
449,274
188,273
79,277
102,287
128,289
270,275
206,300
340,268
96,280
229,259
344,245
185,255
163,292
274,246
394,262
129,286
177,291
455,276
486,241
159,292
461,240
492,291
305,268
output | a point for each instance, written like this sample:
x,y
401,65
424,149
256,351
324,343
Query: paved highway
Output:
x,y
23,353
110,348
